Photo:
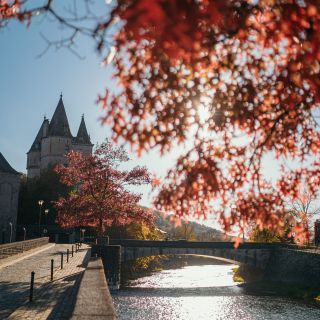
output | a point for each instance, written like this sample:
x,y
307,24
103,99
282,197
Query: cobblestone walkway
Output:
x,y
52,299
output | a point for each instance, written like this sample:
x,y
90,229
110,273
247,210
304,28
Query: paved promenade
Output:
x,y
52,299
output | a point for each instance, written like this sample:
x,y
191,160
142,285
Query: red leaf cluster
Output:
x,y
12,10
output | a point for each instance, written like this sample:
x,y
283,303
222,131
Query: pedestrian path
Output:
x,y
52,299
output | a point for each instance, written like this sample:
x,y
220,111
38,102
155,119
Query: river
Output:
x,y
202,293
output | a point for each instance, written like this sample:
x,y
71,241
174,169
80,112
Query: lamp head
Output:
x,y
40,202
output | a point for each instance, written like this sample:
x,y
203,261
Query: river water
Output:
x,y
202,293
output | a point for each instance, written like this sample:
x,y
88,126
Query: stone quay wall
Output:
x,y
294,266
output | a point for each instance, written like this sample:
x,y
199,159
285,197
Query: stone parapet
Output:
x,y
94,300
10,249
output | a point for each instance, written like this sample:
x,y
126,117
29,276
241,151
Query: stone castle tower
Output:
x,y
54,140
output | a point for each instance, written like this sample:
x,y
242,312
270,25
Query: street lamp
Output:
x,y
24,233
10,224
82,234
46,213
40,203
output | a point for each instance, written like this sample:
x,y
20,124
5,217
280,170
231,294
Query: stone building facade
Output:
x,y
54,140
9,192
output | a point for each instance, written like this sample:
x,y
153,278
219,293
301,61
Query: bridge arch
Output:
x,y
254,254
255,257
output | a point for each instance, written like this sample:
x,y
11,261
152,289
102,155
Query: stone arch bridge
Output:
x,y
255,254
279,262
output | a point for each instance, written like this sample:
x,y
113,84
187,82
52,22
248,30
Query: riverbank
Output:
x,y
251,280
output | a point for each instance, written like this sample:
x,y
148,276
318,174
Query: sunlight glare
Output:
x,y
203,113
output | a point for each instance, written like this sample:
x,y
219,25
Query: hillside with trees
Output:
x,y
190,230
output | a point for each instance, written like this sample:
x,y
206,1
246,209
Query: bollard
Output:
x,y
76,247
67,255
31,286
61,260
52,261
72,251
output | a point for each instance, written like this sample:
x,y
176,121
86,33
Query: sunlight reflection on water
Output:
x,y
202,293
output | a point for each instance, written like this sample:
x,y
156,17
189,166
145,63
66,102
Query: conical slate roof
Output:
x,y
36,146
82,135
59,125
5,166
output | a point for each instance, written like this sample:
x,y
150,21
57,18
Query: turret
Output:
x,y
82,142
58,141
82,135
34,154
59,125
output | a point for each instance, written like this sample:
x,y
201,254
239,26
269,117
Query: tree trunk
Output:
x,y
102,240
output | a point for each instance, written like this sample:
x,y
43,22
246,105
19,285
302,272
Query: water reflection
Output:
x,y
191,276
202,293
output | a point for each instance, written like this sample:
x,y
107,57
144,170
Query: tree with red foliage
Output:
x,y
100,197
239,77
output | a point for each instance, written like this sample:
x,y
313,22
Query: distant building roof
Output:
x,y
5,166
36,146
83,136
59,125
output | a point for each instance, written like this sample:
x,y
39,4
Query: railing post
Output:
x,y
52,261
31,286
61,260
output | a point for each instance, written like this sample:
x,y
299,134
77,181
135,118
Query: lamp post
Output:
x,y
45,231
82,234
10,224
24,233
40,203
46,213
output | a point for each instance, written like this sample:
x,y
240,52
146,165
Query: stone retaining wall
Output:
x,y
10,249
295,266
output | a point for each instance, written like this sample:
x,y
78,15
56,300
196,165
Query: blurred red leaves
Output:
x,y
255,67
